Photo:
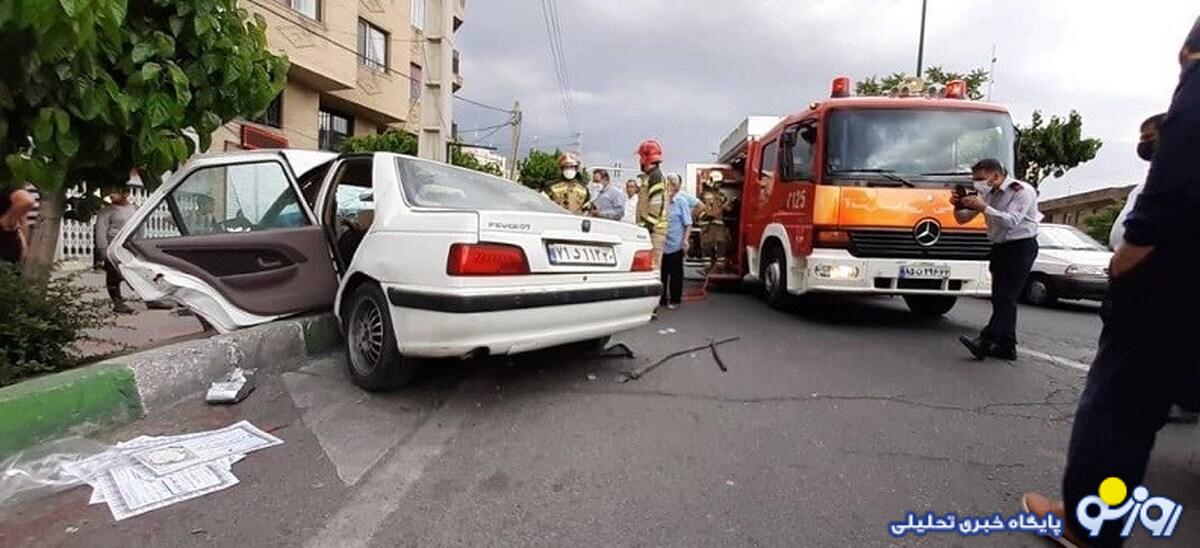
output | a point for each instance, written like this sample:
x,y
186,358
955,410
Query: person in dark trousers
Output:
x,y
679,223
1148,351
109,221
1010,209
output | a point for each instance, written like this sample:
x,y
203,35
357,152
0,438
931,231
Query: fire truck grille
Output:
x,y
899,244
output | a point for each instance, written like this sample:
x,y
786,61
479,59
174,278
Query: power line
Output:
x,y
558,58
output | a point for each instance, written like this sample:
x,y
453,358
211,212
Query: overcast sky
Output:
x,y
686,72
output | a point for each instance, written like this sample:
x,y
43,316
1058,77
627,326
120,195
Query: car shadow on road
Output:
x,y
874,311
1081,307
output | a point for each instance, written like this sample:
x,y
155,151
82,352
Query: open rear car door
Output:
x,y
231,238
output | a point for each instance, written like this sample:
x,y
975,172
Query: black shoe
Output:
x,y
1009,354
978,347
120,307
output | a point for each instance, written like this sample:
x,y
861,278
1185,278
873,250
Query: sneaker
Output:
x,y
1040,505
120,307
672,306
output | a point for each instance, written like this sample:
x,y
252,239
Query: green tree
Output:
x,y
402,142
875,86
93,89
1099,224
1050,149
538,168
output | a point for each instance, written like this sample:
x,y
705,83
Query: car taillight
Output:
x,y
643,261
832,238
486,260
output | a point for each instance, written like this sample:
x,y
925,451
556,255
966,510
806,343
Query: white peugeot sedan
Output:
x,y
1070,265
417,259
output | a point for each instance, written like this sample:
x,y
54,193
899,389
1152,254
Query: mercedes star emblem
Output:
x,y
927,232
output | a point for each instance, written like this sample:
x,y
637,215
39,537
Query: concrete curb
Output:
x,y
120,390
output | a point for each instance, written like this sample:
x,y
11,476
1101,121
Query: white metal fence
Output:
x,y
76,240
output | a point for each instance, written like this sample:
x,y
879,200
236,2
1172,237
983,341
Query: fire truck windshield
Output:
x,y
918,146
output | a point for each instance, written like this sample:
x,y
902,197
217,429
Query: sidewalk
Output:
x,y
141,330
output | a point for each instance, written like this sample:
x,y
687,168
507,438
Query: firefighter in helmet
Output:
x,y
714,235
569,192
652,197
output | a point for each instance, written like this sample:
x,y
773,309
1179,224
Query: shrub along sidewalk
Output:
x,y
120,390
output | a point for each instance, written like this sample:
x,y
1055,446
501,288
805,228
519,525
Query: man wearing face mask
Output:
x,y
1010,209
1148,353
570,193
1145,150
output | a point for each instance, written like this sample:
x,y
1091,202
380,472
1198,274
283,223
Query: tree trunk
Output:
x,y
44,243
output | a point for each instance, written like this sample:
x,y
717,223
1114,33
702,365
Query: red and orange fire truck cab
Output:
x,y
852,195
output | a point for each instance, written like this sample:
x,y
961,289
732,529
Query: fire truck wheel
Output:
x,y
774,278
929,306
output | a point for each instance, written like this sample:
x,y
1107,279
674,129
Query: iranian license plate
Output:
x,y
925,271
581,254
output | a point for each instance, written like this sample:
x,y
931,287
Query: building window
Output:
x,y
273,116
418,14
309,8
372,46
414,82
334,129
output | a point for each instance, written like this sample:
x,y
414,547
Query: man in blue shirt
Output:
x,y
679,223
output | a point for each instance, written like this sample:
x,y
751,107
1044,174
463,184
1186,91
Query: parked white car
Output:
x,y
417,259
1070,265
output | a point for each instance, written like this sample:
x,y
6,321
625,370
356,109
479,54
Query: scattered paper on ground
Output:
x,y
151,472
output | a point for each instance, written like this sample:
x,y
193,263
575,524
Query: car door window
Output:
x,y
800,157
228,199
351,206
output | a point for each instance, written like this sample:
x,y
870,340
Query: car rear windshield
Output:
x,y
923,145
436,185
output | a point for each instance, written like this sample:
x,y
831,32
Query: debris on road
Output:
x,y
591,376
667,331
717,356
233,388
712,345
144,473
617,350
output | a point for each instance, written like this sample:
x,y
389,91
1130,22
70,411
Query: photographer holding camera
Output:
x,y
1010,209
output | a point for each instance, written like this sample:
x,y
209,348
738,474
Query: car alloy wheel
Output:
x,y
366,337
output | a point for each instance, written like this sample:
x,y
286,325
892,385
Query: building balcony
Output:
x,y
377,94
460,9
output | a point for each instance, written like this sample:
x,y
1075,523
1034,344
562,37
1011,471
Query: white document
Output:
x,y
187,451
130,491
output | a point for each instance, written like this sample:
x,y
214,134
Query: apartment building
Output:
x,y
357,67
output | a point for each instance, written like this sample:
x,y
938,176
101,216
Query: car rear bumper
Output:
x,y
837,271
448,324
1074,288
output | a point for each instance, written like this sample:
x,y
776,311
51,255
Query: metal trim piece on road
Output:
x,y
464,304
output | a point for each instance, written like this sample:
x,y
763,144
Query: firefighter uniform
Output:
x,y
714,235
652,211
570,195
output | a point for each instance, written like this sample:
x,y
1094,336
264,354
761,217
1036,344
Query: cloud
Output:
x,y
688,72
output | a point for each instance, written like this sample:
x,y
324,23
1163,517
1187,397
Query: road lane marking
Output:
x,y
1057,360
382,492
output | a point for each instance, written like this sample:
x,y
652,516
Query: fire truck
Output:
x,y
852,196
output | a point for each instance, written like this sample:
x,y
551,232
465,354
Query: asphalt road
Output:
x,y
831,422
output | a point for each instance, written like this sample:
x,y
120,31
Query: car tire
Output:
x,y
1039,291
374,361
773,274
930,306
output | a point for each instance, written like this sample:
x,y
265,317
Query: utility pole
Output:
x,y
516,140
921,44
437,100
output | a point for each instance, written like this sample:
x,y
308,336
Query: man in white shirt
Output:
x,y
631,202
1010,208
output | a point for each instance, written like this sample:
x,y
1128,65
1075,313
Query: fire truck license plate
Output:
x,y
925,271
580,254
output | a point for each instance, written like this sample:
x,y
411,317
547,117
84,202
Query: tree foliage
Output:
x,y
1050,149
539,168
403,142
875,86
1099,224
92,89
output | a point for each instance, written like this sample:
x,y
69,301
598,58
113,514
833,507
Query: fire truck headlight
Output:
x,y
836,271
